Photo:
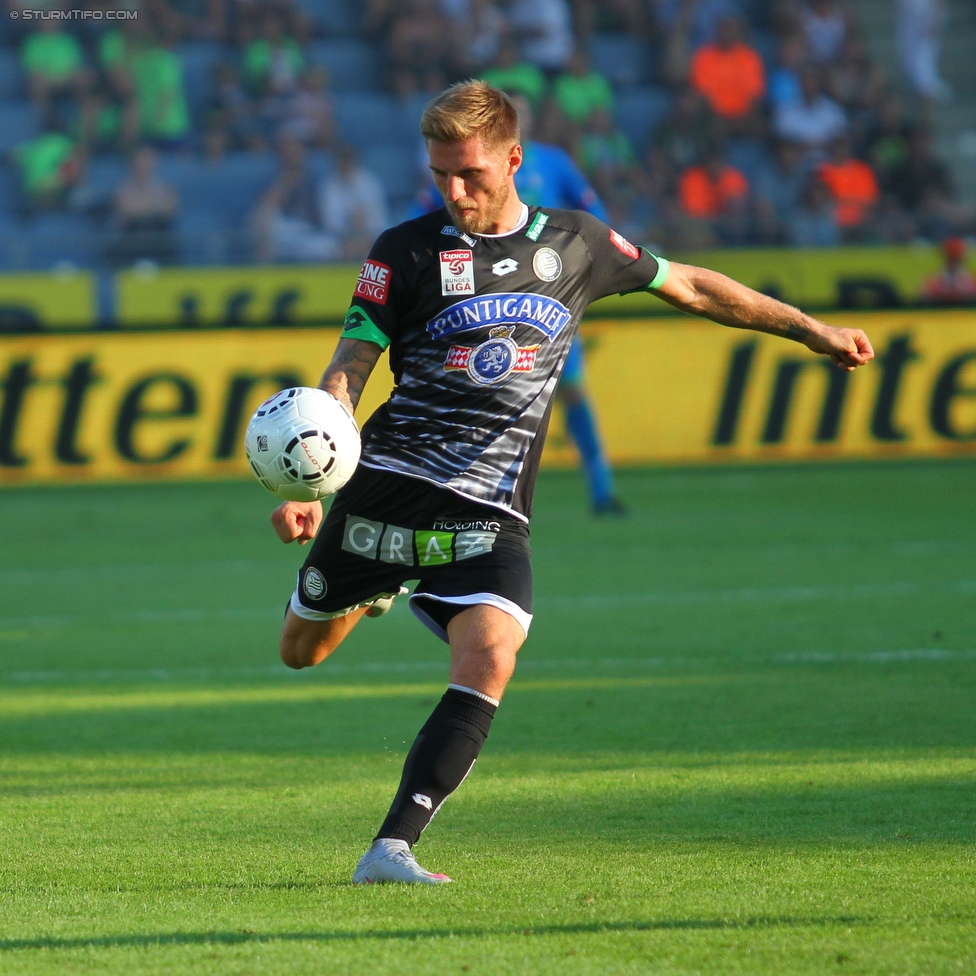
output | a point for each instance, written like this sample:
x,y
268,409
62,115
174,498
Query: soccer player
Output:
x,y
478,304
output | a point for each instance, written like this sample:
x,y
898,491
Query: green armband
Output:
x,y
358,325
663,268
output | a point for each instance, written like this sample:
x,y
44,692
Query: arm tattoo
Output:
x,y
351,365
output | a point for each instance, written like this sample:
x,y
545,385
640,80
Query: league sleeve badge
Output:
x,y
457,272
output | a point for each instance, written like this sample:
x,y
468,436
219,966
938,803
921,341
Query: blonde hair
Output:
x,y
471,108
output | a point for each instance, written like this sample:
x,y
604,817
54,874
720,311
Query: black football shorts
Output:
x,y
384,529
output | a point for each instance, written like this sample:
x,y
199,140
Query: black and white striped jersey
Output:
x,y
478,329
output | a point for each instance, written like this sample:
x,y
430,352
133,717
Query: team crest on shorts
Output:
x,y
494,360
313,584
547,264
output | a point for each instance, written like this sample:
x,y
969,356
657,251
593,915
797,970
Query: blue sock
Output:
x,y
582,428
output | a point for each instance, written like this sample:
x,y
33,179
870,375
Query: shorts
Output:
x,y
384,529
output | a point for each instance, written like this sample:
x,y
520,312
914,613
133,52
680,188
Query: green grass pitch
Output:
x,y
740,740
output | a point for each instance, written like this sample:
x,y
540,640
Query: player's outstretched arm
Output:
x,y
716,297
344,378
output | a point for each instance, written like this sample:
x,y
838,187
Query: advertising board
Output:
x,y
676,390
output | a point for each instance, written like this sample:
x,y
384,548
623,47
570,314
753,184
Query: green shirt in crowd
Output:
x,y
257,61
163,112
580,97
521,79
54,56
597,149
112,49
41,161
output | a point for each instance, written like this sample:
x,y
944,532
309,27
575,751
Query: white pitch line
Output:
x,y
584,603
169,675
786,594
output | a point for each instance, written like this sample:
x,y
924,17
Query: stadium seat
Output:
x,y
203,236
396,166
621,58
18,123
367,118
199,60
331,18
639,112
231,188
11,76
354,65
9,191
104,174
55,237
244,178
749,156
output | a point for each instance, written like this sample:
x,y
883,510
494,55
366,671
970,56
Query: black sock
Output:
x,y
441,756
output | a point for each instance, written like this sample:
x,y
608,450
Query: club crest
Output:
x,y
494,360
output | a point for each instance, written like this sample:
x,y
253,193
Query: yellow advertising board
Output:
x,y
40,300
680,390
814,278
148,297
103,407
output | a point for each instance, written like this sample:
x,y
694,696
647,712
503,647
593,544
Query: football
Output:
x,y
302,444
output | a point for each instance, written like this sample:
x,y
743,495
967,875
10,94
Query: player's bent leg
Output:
x,y
305,643
309,636
484,643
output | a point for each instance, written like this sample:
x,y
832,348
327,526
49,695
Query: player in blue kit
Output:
x,y
549,178
478,304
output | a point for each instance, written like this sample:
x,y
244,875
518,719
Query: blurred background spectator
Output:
x,y
920,25
288,220
815,119
353,205
143,209
658,102
814,222
955,284
853,189
729,74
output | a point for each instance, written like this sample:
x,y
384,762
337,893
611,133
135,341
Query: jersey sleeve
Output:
x,y
380,296
619,267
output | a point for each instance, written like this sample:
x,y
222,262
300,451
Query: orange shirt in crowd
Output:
x,y
703,196
731,79
853,187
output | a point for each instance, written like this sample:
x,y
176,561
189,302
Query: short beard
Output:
x,y
469,220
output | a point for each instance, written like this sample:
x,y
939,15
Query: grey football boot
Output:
x,y
391,860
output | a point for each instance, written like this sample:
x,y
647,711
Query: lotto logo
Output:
x,y
623,245
457,272
374,282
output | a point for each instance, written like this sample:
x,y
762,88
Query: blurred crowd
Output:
x,y
777,126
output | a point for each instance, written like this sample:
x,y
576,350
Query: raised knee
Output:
x,y
292,653
305,643
300,647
